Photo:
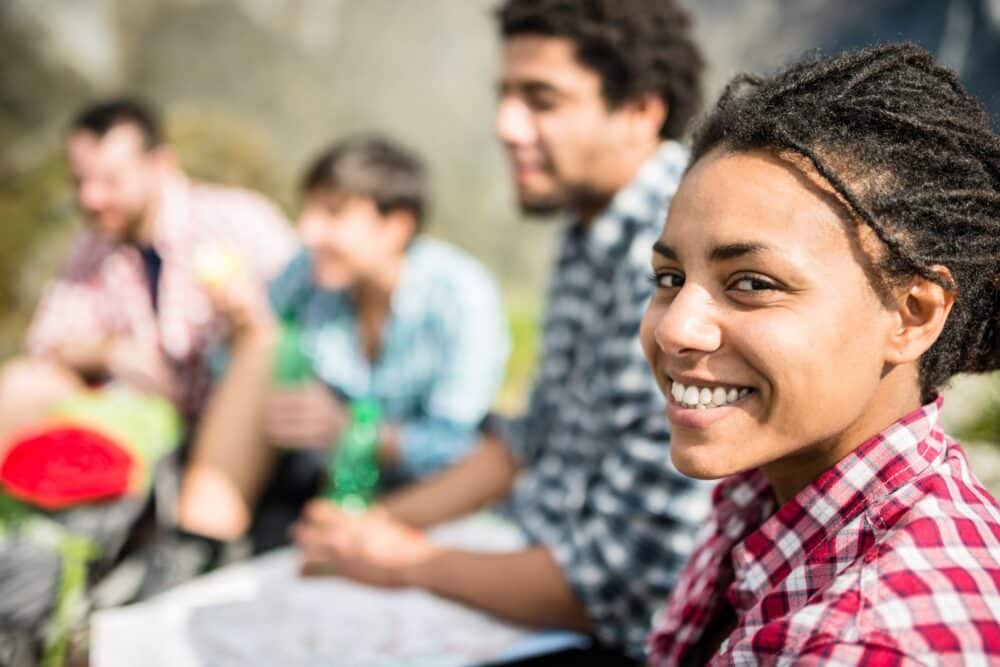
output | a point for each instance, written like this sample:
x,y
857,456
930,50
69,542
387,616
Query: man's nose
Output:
x,y
514,122
92,196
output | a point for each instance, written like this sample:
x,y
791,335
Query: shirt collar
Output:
x,y
861,481
175,214
408,297
640,203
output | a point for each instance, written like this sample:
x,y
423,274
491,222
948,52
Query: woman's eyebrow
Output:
x,y
719,253
733,250
661,248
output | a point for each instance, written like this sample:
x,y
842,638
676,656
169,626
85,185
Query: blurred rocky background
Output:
x,y
252,88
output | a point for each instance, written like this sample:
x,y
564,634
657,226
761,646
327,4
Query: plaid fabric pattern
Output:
x,y
443,355
597,486
892,557
102,290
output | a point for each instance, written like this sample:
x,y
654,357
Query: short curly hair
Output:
x,y
635,46
912,155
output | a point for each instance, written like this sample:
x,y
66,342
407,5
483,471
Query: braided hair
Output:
x,y
911,155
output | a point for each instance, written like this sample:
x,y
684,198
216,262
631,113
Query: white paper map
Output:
x,y
261,613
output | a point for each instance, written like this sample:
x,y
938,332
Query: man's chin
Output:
x,y
331,281
541,206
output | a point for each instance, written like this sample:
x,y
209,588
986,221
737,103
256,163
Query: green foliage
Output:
x,y
984,425
34,206
216,147
12,513
523,314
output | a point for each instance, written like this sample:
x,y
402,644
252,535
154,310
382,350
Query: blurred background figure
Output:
x,y
117,359
385,316
126,306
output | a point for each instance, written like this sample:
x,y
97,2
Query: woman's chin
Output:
x,y
700,460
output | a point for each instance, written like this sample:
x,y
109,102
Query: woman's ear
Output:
x,y
922,309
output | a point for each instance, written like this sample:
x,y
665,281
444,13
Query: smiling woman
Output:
x,y
830,259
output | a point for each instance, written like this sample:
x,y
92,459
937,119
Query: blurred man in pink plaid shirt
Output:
x,y
127,306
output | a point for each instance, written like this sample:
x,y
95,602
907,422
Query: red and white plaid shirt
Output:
x,y
892,557
103,290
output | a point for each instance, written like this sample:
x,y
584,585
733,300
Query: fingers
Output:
x,y
325,512
308,417
325,538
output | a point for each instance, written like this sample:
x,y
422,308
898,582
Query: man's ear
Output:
x,y
165,158
921,309
401,226
645,115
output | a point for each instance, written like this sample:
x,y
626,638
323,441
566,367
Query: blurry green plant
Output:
x,y
523,315
214,146
984,424
35,207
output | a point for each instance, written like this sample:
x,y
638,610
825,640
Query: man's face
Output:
x,y
556,127
348,240
116,178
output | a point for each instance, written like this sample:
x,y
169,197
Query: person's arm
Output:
x,y
483,477
526,586
229,456
862,652
68,326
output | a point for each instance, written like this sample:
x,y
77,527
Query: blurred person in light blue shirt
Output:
x,y
384,313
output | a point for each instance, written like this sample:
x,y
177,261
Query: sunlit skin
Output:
x,y
351,244
565,146
117,181
760,284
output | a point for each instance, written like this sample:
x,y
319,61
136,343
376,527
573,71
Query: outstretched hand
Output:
x,y
372,548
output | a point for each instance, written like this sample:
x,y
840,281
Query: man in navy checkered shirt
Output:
x,y
592,100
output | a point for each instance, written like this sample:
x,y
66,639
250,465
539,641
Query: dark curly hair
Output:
x,y
913,157
635,46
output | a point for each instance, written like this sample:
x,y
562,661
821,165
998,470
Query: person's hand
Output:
x,y
140,366
307,416
234,292
373,548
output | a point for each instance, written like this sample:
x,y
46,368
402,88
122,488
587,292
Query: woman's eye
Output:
x,y
753,284
667,280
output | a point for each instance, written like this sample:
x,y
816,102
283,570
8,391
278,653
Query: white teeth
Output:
x,y
718,396
677,391
705,397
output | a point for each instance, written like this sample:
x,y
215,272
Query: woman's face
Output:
x,y
764,331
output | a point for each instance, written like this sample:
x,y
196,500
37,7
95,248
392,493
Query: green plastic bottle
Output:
x,y
352,473
291,366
